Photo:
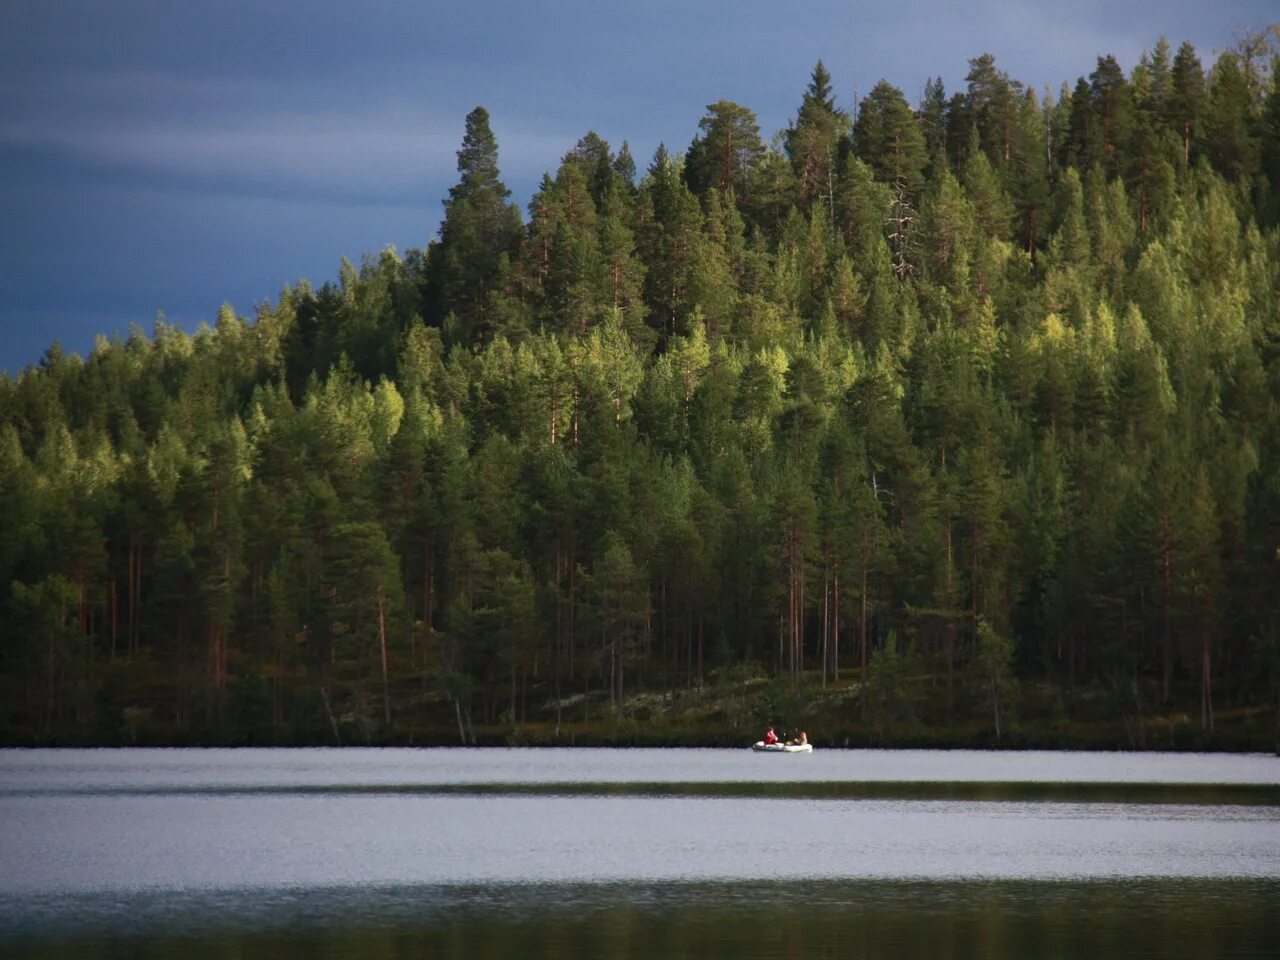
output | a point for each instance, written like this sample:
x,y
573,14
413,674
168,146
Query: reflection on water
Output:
x,y
1169,919
708,854
192,842
325,768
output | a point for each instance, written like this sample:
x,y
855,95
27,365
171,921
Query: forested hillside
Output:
x,y
937,421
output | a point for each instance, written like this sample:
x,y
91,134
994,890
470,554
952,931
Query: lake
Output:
x,y
637,853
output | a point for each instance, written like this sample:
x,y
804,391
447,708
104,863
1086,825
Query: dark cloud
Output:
x,y
161,156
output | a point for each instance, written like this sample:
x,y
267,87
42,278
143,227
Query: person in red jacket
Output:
x,y
770,736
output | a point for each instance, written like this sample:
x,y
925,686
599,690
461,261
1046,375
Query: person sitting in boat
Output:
x,y
799,739
770,737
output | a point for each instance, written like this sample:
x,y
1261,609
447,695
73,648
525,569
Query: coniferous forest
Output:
x,y
946,423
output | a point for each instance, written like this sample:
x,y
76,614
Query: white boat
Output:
x,y
780,747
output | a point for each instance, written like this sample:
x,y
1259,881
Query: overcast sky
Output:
x,y
160,156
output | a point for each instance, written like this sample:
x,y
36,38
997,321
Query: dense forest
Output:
x,y
954,422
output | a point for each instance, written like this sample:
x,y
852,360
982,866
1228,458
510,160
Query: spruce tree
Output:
x,y
1188,100
1228,126
817,139
1111,101
888,138
480,225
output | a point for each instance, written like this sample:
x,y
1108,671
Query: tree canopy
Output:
x,y
980,395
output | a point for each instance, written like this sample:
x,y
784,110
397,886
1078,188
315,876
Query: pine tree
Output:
x,y
479,226
1269,147
1200,589
933,123
1081,147
1154,151
992,108
1112,111
817,139
1228,136
619,601
995,660
888,138
1188,101
669,239
725,154
991,205
624,165
368,604
1029,177
593,159
575,288
623,270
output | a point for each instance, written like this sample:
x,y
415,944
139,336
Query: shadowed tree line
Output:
x,y
977,398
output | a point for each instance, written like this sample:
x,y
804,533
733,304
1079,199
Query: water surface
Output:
x,y
330,767
713,853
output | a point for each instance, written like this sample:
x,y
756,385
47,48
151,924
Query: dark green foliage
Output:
x,y
888,138
817,139
1112,107
1188,101
990,109
480,225
724,156
971,411
1269,149
1228,135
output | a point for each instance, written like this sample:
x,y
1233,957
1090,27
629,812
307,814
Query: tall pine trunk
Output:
x,y
382,648
1166,605
835,647
1206,683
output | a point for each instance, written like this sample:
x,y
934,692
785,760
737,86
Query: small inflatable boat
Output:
x,y
780,747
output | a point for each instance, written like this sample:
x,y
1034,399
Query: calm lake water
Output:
x,y
637,853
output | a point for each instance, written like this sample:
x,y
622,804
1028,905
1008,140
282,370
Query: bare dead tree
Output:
x,y
902,221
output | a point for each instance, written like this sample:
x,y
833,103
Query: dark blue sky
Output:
x,y
160,156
